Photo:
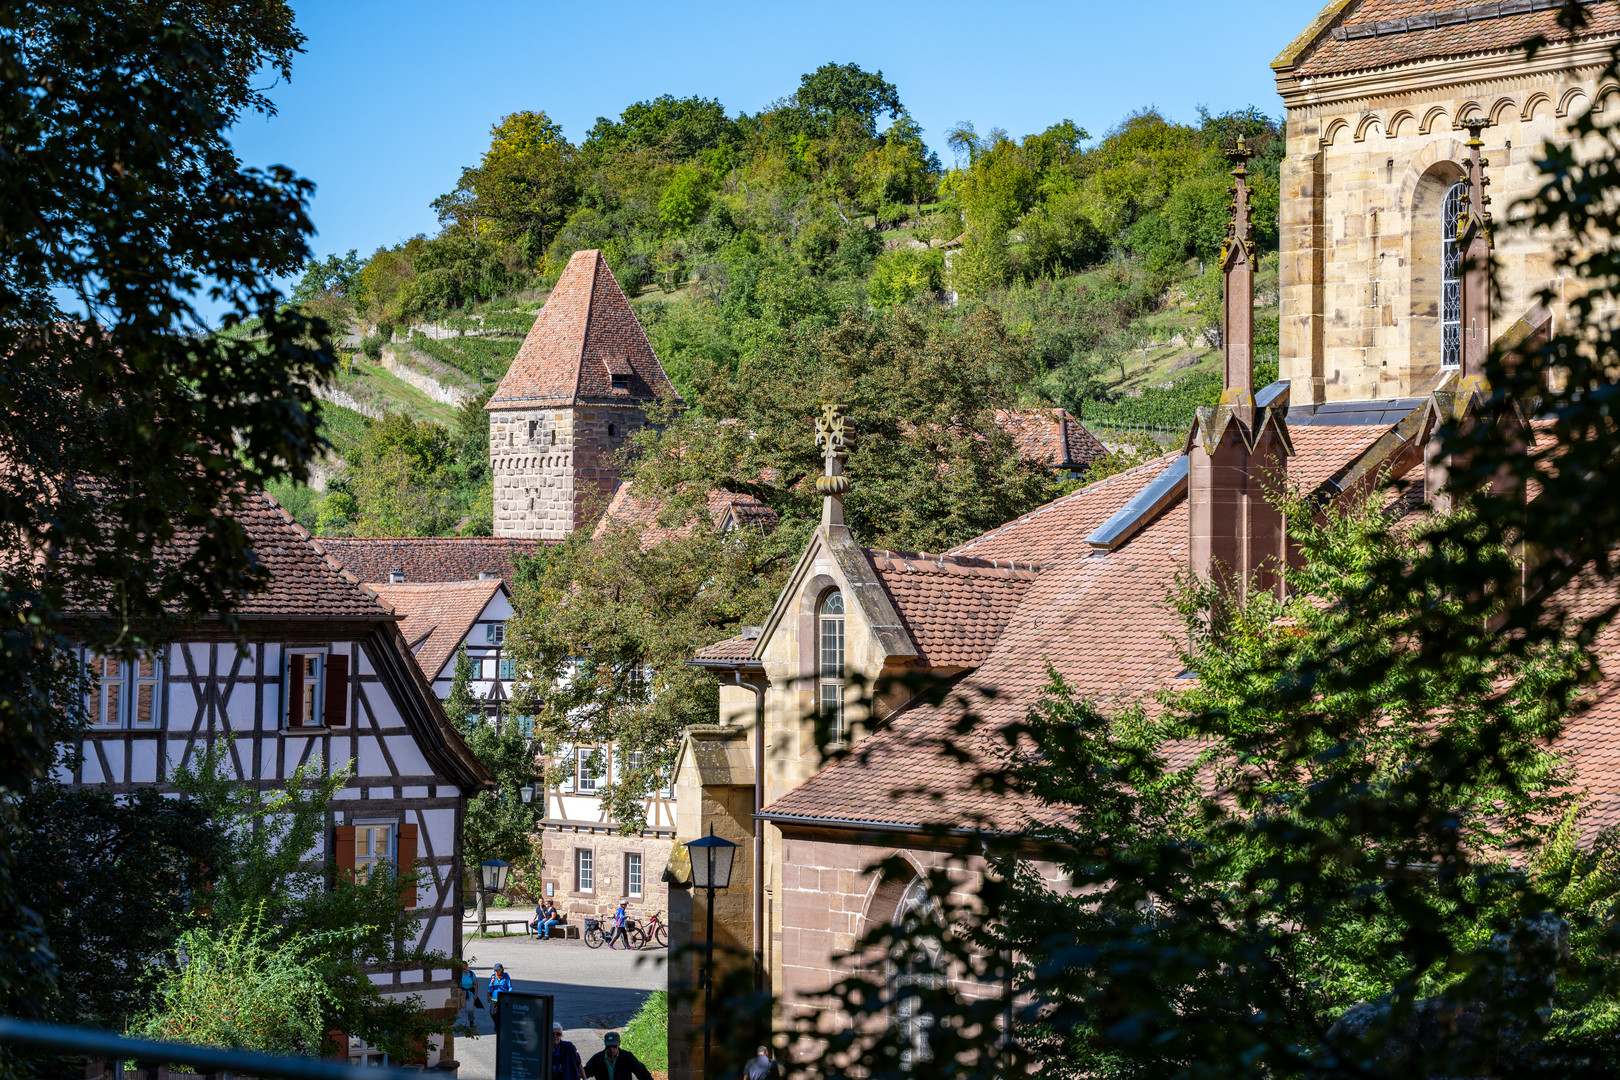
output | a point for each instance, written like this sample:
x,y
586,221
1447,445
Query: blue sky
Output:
x,y
392,99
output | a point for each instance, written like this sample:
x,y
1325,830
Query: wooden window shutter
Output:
x,y
336,713
294,682
343,845
406,863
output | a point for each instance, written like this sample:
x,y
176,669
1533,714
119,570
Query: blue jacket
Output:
x,y
498,983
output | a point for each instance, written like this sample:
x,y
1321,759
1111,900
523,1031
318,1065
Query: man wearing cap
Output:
x,y
564,1057
614,1063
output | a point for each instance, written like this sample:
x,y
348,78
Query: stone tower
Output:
x,y
577,388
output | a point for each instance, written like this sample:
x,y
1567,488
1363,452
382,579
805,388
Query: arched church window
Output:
x,y
831,668
1450,278
916,965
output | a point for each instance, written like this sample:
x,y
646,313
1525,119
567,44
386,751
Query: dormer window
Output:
x,y
831,668
621,382
619,372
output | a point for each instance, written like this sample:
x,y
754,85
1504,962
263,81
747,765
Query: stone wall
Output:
x,y
608,850
1369,161
551,465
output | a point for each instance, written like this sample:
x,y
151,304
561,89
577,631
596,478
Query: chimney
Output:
x,y
1238,450
396,576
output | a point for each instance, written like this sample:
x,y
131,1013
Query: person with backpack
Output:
x,y
499,983
469,994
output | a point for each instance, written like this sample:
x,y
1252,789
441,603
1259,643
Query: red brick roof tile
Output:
x,y
304,578
726,509
1052,436
584,335
1381,33
429,558
732,649
954,607
437,616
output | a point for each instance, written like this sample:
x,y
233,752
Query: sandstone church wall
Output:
x,y
1370,157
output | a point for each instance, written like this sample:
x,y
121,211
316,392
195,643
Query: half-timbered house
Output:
x,y
319,674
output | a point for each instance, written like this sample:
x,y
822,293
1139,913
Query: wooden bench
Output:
x,y
491,921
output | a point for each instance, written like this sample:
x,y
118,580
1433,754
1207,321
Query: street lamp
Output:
x,y
711,870
491,880
527,791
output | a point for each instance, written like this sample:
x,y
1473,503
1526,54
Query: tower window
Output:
x,y
611,431
831,674
534,426
621,382
1450,278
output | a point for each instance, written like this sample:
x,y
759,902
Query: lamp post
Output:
x,y
711,870
491,880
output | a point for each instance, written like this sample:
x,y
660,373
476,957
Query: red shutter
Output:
x,y
407,863
337,691
295,689
343,852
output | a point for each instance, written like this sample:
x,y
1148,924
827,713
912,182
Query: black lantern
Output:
x,y
492,875
712,857
711,861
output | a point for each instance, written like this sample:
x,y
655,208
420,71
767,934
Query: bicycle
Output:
x,y
656,931
594,937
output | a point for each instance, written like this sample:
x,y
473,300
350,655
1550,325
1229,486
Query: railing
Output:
x,y
207,1060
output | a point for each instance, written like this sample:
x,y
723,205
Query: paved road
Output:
x,y
596,990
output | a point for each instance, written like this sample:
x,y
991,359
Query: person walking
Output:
x,y
499,983
619,930
565,1064
545,917
614,1063
760,1066
469,995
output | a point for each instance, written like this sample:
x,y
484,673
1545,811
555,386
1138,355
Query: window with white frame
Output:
x,y
1451,277
831,637
123,693
494,633
632,873
584,870
301,686
585,775
373,846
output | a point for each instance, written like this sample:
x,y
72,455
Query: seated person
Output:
x,y
545,917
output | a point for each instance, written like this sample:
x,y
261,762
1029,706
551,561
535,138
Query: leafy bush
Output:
x,y
1169,408
372,345
901,276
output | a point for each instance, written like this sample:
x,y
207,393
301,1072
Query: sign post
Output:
x,y
523,1039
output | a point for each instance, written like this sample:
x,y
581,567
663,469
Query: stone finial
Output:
x,y
1237,272
832,484
1474,249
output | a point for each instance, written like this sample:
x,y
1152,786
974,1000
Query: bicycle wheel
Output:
x,y
637,937
661,936
594,938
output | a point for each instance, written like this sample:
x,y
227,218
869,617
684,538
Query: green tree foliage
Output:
x,y
835,91
685,200
88,861
343,930
903,275
675,129
121,424
331,289
499,824
461,708
403,480
607,624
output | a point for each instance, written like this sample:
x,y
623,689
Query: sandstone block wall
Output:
x,y
608,850
1367,167
550,465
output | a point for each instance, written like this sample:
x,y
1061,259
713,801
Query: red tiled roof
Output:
x,y
954,607
740,647
1380,33
584,335
304,579
726,509
437,616
1103,622
1052,436
429,558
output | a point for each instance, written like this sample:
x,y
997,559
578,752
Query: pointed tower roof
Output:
x,y
584,337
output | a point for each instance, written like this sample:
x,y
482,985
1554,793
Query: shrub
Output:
x,y
372,345
647,1033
